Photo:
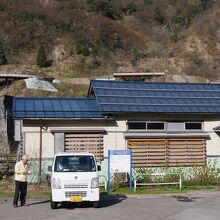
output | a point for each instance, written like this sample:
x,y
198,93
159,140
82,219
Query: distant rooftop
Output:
x,y
138,74
15,76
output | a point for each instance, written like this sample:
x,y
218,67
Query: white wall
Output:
x,y
114,139
212,145
32,144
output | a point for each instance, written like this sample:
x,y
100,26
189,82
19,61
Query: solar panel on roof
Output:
x,y
113,96
38,105
55,104
40,114
54,108
164,97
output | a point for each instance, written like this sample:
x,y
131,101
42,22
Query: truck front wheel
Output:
x,y
96,204
53,205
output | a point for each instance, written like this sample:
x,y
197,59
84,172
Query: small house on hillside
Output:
x,y
165,124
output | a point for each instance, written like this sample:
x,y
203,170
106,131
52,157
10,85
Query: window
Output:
x,y
74,164
193,126
155,126
136,125
165,126
175,126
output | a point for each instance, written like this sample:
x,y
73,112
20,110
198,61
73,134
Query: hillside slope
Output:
x,y
89,38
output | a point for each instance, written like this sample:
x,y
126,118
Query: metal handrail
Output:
x,y
105,181
157,174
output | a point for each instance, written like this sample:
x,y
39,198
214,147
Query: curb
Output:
x,y
171,195
157,196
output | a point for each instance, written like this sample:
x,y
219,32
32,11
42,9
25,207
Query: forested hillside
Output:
x,y
88,38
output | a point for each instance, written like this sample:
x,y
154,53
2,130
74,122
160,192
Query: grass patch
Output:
x,y
160,190
43,191
5,193
71,90
7,186
40,195
64,90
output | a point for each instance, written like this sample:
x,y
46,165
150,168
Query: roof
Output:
x,y
15,76
78,130
124,97
138,74
121,96
24,107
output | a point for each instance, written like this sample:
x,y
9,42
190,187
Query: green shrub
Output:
x,y
107,9
172,2
199,61
191,176
205,3
201,6
175,37
159,17
83,50
148,2
41,57
130,8
94,51
2,6
3,59
204,175
78,49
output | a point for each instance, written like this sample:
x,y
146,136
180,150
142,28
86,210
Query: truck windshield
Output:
x,y
76,163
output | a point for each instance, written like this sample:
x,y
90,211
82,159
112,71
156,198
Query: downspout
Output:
x,y
40,154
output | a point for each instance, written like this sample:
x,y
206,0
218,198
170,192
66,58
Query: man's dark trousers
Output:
x,y
20,188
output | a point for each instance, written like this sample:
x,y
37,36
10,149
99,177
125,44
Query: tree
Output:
x,y
41,57
3,59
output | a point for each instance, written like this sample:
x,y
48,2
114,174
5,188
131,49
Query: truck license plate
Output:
x,y
75,198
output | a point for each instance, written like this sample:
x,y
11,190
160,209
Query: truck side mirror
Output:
x,y
99,168
49,168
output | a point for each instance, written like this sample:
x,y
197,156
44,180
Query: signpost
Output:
x,y
119,161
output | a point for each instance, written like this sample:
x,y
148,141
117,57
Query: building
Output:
x,y
165,124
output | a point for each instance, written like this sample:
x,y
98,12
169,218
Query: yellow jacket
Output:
x,y
20,168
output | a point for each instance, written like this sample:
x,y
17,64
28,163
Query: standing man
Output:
x,y
21,172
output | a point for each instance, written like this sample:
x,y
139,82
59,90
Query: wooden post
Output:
x,y
7,83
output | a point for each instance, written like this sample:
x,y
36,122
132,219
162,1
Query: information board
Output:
x,y
119,161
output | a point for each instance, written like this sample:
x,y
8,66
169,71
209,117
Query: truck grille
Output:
x,y
77,193
74,186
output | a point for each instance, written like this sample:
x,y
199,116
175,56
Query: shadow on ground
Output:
x,y
105,201
186,198
37,203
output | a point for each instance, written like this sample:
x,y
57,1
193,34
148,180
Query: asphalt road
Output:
x,y
196,206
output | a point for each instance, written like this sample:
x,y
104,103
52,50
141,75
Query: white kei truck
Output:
x,y
74,178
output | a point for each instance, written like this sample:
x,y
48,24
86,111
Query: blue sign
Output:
x,y
120,152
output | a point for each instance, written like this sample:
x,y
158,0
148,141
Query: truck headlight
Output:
x,y
56,183
95,182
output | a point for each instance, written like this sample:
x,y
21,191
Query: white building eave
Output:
x,y
128,135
